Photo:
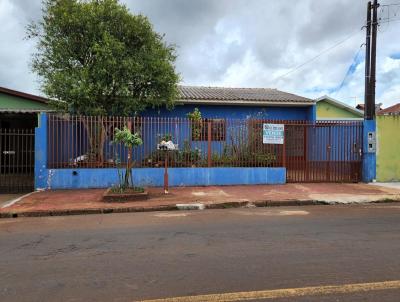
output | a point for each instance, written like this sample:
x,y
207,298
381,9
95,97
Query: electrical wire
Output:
x,y
386,20
390,4
349,70
318,55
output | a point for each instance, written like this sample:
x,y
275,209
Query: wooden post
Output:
x,y
209,143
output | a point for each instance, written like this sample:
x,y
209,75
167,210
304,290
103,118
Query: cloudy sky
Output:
x,y
245,43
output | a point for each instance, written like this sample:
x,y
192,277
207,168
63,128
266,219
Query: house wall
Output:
x,y
238,112
181,132
327,110
236,129
388,148
13,102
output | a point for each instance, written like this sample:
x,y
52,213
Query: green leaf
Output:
x,y
97,58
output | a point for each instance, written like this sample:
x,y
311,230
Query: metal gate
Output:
x,y
325,151
16,160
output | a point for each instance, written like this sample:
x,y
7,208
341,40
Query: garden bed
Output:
x,y
128,195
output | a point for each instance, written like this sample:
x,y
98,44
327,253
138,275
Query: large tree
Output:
x,y
96,58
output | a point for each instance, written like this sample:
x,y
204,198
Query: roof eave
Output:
x,y
245,103
24,95
18,110
340,105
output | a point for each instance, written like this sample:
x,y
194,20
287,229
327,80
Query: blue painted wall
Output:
x,y
369,158
236,129
239,112
154,177
180,132
41,152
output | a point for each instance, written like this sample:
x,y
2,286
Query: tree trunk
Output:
x,y
128,172
96,135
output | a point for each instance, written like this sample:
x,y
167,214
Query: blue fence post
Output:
x,y
369,151
41,153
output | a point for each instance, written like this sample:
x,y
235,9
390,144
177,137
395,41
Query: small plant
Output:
x,y
166,137
197,124
189,156
130,141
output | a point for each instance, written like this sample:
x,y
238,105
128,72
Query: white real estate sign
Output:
x,y
273,134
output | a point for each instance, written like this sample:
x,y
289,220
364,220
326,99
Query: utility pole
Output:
x,y
367,62
373,55
369,124
370,59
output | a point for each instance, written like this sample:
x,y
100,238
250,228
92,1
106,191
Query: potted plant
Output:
x,y
125,189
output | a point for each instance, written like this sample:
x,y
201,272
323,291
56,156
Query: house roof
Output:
x,y
239,96
392,110
24,95
17,110
362,107
339,104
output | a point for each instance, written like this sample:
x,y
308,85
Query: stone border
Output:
x,y
224,205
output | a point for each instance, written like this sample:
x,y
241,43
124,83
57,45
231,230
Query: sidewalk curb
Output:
x,y
224,205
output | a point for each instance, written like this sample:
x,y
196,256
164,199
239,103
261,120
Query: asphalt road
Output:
x,y
142,256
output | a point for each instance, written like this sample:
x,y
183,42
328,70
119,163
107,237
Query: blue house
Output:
x,y
240,103
225,147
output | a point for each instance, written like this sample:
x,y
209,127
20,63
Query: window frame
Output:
x,y
218,130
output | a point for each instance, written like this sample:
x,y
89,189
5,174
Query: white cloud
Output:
x,y
15,51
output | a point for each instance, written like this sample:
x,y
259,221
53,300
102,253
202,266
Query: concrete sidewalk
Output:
x,y
89,201
6,198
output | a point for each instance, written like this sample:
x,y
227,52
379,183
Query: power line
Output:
x,y
382,20
350,69
390,4
318,55
388,20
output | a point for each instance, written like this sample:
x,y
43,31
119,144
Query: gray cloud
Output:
x,y
237,43
330,20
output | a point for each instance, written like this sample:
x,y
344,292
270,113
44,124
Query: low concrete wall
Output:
x,y
154,177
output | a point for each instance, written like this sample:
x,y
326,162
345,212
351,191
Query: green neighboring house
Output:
x,y
388,155
19,110
387,124
331,109
18,119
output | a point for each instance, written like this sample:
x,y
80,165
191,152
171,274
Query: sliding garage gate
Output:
x,y
324,151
